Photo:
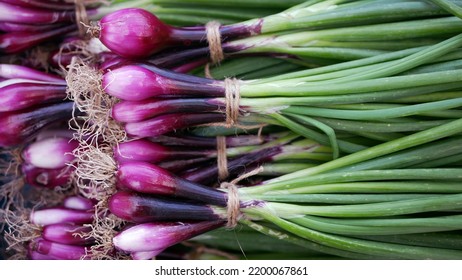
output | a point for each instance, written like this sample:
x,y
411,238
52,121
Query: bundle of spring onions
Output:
x,y
330,128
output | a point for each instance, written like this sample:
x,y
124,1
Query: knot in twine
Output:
x,y
232,99
212,29
233,205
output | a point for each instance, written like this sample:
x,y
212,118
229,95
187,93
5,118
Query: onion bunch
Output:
x,y
348,207
334,99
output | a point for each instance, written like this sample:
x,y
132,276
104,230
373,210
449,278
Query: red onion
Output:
x,y
16,127
12,71
168,123
46,178
78,203
136,33
159,236
43,4
135,111
27,94
58,251
18,14
135,83
67,234
57,215
150,179
52,153
15,42
138,208
145,150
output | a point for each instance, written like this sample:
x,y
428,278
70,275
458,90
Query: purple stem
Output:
x,y
15,42
211,142
58,215
136,33
148,151
139,208
167,123
240,164
46,178
43,4
57,250
13,71
180,57
177,166
23,27
16,127
34,255
78,203
150,179
195,35
187,67
135,111
67,234
18,14
27,94
160,235
175,75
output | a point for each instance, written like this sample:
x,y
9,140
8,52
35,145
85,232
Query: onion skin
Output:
x,y
135,111
133,33
16,42
137,82
51,153
59,251
46,178
18,126
43,4
18,27
168,123
18,14
138,208
13,71
140,150
144,255
67,234
148,151
150,179
57,215
34,255
159,236
78,203
23,95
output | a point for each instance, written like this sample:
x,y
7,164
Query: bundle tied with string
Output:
x,y
233,206
214,40
233,111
